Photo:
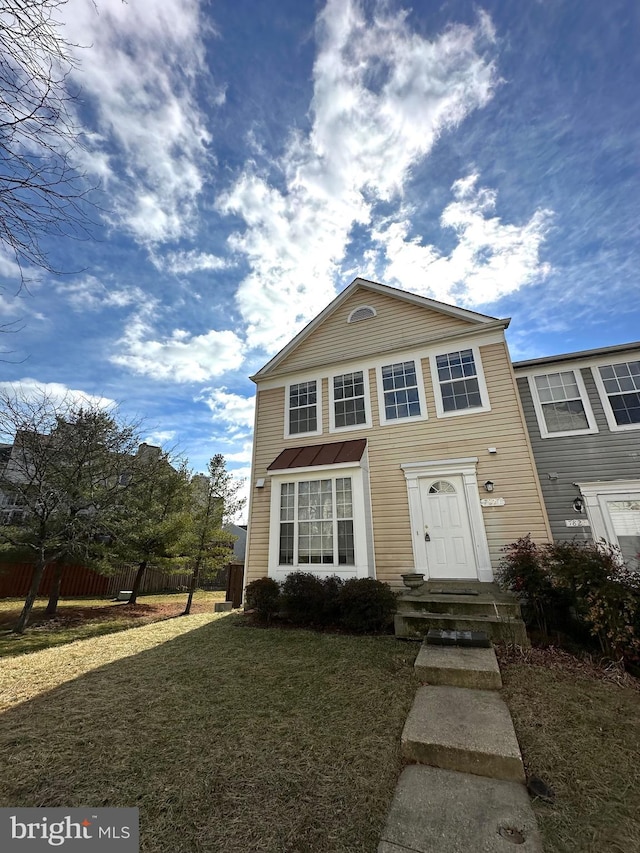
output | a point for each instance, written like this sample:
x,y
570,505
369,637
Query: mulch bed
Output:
x,y
551,657
69,617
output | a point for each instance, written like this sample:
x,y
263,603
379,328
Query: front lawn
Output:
x,y
578,725
81,618
239,739
229,738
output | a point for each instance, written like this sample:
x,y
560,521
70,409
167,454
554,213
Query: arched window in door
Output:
x,y
441,487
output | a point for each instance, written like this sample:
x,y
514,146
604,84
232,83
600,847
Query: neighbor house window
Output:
x,y
458,381
303,407
400,390
316,522
621,384
561,403
350,400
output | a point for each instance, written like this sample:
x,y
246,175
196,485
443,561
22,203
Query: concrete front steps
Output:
x,y
456,666
464,793
460,606
441,811
458,728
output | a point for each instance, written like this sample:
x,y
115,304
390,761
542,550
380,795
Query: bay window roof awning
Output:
x,y
319,454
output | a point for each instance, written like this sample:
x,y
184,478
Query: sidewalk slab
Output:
x,y
462,729
458,666
441,811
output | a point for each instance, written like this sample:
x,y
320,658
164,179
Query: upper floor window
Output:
x,y
400,391
460,383
350,405
561,403
303,408
621,385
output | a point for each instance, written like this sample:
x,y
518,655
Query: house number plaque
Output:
x,y
492,502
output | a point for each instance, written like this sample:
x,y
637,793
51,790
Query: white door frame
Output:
x,y
467,469
596,495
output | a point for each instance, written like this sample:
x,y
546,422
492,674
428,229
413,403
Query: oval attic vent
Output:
x,y
363,312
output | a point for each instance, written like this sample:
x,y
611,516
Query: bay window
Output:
x,y
316,523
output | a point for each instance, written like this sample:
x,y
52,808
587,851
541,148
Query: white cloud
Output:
x,y
10,270
183,263
182,357
161,436
242,455
138,71
59,394
382,96
232,409
90,294
490,260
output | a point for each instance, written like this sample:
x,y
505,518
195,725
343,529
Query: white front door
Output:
x,y
448,540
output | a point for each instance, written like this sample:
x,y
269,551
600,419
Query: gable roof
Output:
x,y
362,284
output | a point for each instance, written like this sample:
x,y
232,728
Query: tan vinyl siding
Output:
x,y
470,435
397,325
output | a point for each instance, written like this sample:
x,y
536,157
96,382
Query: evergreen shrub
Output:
x,y
263,596
366,605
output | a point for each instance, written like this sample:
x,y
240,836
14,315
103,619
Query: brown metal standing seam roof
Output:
x,y
319,454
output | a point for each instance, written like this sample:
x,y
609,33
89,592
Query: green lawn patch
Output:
x,y
229,738
81,618
578,725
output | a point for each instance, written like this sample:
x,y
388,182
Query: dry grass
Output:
x,y
228,738
81,618
579,729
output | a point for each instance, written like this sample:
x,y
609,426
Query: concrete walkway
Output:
x,y
465,791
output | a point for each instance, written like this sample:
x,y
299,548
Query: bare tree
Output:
x,y
42,194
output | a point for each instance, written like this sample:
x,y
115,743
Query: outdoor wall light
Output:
x,y
578,505
260,483
488,486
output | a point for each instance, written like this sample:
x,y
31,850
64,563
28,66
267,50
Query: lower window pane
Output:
x,y
286,544
346,552
563,417
626,408
315,542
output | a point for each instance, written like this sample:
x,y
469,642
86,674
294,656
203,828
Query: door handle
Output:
x,y
427,538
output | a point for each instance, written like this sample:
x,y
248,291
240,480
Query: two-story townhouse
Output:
x,y
389,438
583,415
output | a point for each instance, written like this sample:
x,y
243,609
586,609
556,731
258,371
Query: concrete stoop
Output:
x,y
457,728
457,666
460,605
414,624
441,811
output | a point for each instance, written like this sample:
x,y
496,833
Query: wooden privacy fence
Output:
x,y
15,580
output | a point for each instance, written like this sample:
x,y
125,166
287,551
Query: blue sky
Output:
x,y
255,157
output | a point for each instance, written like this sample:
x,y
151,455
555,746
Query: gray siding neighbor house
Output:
x,y
583,414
